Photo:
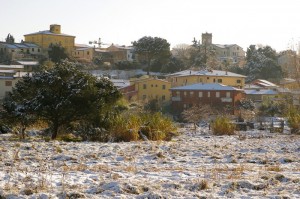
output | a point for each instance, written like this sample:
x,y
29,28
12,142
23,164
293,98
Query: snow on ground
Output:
x,y
252,164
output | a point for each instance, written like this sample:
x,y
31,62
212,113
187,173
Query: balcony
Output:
x,y
226,99
176,99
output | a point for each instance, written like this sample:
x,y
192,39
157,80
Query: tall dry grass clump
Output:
x,y
125,128
222,126
293,116
132,127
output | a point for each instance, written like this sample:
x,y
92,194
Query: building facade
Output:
x,y
52,36
20,51
152,88
188,77
225,52
83,53
213,94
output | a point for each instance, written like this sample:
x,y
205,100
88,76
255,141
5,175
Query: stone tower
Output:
x,y
206,39
55,28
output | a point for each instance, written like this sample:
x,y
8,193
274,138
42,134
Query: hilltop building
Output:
x,y
225,52
52,36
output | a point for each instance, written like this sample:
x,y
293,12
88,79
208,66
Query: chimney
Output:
x,y
55,28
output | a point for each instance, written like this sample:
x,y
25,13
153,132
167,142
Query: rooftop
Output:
x,y
48,32
201,86
261,92
206,73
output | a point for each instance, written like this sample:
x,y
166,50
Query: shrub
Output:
x,y
294,120
222,126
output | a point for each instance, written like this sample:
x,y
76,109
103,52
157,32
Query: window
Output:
x,y
208,94
184,93
155,85
163,97
227,94
200,94
32,49
184,105
144,86
219,80
88,53
217,94
191,93
177,93
8,83
238,81
144,97
39,50
151,85
207,77
163,87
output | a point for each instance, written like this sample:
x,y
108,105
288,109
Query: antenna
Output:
x,y
96,42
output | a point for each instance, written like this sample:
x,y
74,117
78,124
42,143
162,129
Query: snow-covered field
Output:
x,y
252,164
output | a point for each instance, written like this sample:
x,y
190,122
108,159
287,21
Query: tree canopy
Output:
x,y
61,95
57,53
262,64
10,39
150,48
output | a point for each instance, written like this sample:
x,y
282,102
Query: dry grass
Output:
x,y
275,168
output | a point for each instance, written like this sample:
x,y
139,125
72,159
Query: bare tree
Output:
x,y
182,52
197,113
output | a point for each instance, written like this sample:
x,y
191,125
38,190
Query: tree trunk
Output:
x,y
23,128
54,131
148,65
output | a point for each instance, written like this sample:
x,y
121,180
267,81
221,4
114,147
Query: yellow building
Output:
x,y
53,36
152,88
83,53
289,83
187,77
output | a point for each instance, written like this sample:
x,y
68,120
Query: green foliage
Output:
x,y
222,126
262,64
126,65
272,108
174,65
150,48
57,53
202,56
63,94
293,117
10,39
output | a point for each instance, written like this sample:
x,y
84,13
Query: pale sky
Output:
x,y
244,22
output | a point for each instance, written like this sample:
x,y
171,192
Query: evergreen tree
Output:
x,y
61,95
262,64
151,48
57,53
10,39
